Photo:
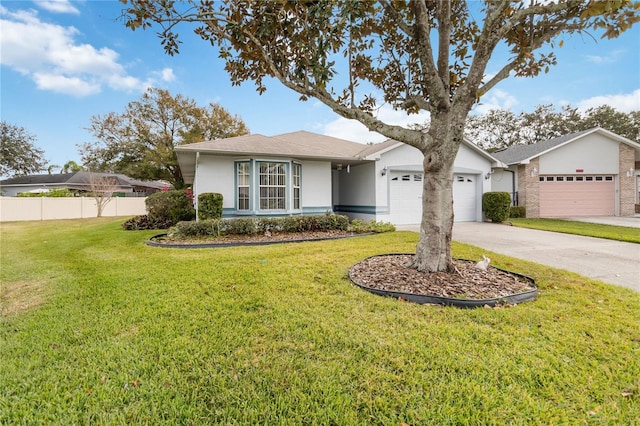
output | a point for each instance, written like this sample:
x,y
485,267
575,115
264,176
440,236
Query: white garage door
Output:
x,y
405,198
563,196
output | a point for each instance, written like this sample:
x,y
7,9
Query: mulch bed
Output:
x,y
390,273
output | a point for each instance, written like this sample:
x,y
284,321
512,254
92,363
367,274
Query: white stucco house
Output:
x,y
590,173
306,173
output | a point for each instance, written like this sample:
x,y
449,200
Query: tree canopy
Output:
x,y
140,141
18,153
421,55
502,128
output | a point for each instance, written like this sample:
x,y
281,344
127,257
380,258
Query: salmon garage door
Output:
x,y
564,196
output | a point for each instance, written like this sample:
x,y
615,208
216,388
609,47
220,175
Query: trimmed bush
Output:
x,y
517,211
495,206
170,206
360,226
209,205
139,223
261,225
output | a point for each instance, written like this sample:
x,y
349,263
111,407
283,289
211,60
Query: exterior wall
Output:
x,y
49,208
218,174
594,154
315,189
356,194
626,183
529,187
506,180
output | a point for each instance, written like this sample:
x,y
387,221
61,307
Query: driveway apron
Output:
x,y
612,262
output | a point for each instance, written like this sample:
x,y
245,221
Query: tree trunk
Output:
x,y
433,252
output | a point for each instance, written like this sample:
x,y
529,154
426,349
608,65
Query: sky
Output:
x,y
64,61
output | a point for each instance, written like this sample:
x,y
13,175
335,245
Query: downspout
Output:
x,y
195,185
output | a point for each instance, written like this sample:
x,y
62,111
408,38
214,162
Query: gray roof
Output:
x,y
296,144
517,153
78,180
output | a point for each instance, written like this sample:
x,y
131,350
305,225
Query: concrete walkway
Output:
x,y
613,262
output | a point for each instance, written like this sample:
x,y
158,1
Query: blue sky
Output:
x,y
64,61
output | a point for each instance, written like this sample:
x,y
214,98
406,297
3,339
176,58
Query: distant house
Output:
x,y
79,183
589,173
303,173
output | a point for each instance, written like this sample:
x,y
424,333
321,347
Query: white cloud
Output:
x,y
496,99
612,57
49,55
355,131
58,6
168,75
625,102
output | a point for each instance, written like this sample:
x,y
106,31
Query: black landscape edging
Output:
x,y
152,243
422,299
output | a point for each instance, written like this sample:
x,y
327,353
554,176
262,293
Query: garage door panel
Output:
x,y
577,198
405,198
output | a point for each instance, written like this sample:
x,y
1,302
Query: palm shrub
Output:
x,y
495,206
209,205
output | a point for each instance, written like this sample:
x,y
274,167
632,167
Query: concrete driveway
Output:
x,y
609,261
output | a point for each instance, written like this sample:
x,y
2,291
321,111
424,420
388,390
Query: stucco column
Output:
x,y
626,182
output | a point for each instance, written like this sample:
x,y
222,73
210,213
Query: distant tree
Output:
x,y
71,167
420,55
101,188
502,128
18,155
141,141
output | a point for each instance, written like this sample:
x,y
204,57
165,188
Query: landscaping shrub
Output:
x,y
139,223
517,211
495,206
360,226
209,206
170,206
253,226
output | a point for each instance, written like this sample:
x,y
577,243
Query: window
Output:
x,y
569,178
243,186
598,178
296,186
589,178
549,178
273,186
406,177
417,178
579,178
559,178
609,178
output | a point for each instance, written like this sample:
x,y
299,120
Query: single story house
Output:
x,y
589,173
79,182
306,173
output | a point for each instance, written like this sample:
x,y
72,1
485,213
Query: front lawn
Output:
x,y
610,232
98,328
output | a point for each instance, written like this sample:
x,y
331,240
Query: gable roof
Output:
x,y
371,152
520,154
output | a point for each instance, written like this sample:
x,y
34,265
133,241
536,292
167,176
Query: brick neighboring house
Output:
x,y
589,173
79,182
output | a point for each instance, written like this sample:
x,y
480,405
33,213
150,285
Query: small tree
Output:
x,y
102,188
18,155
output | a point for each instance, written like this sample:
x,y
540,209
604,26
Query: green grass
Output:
x,y
610,232
129,334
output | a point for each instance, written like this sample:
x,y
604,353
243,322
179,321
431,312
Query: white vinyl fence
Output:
x,y
47,208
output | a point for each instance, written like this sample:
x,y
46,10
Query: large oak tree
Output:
x,y
18,153
140,141
421,55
